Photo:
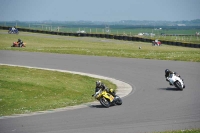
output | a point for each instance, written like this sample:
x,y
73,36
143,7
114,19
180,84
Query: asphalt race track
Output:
x,y
152,106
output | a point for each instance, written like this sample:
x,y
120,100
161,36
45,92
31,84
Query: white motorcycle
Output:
x,y
176,81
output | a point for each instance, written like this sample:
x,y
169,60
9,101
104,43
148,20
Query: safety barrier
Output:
x,y
108,36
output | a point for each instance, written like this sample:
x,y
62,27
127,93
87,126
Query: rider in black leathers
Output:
x,y
100,85
20,43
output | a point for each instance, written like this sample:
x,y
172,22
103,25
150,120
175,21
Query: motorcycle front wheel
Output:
x,y
104,102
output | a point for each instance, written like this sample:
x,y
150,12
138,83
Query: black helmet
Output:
x,y
166,70
19,40
98,83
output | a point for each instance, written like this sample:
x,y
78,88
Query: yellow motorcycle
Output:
x,y
106,99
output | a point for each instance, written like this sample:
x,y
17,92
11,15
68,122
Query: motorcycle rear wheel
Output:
x,y
119,101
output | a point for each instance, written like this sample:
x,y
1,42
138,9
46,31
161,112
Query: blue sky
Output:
x,y
99,10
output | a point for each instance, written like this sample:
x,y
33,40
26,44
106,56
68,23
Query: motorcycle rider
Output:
x,y
168,73
20,43
100,85
13,29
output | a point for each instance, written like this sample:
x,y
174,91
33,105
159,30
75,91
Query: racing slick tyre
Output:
x,y
178,85
118,101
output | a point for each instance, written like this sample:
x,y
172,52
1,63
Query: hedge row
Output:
x,y
109,36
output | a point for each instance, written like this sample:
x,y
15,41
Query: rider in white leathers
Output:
x,y
168,73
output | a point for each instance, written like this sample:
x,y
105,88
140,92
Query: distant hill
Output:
x,y
195,22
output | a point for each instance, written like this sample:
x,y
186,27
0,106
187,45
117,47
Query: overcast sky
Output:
x,y
99,10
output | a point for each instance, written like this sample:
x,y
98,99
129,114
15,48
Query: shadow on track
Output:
x,y
96,106
170,89
100,106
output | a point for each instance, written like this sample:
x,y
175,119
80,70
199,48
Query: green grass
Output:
x,y
25,90
186,39
183,131
98,47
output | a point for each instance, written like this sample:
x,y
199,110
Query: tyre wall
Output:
x,y
108,36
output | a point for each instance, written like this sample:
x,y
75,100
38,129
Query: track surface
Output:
x,y
154,105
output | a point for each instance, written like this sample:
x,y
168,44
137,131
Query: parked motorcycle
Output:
x,y
106,99
176,81
10,31
15,44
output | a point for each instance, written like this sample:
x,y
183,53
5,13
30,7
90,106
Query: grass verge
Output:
x,y
97,47
25,90
183,131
